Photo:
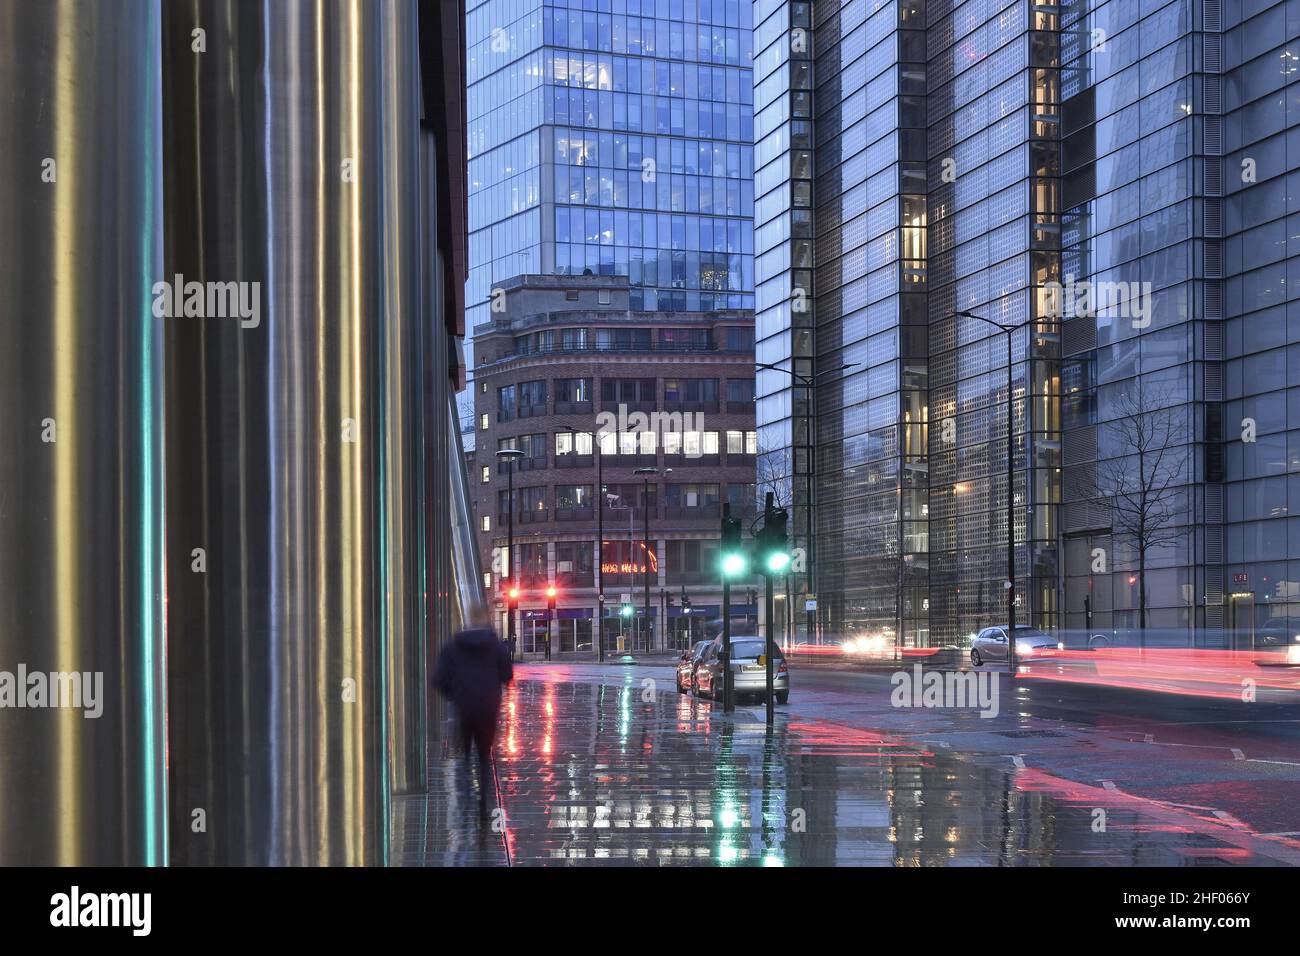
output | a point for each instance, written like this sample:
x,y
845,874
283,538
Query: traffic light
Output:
x,y
551,592
732,551
512,597
686,600
626,610
773,545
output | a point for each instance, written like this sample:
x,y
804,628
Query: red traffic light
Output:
x,y
550,591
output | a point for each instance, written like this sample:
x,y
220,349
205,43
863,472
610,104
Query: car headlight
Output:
x,y
1024,650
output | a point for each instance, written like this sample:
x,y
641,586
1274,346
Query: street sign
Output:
x,y
810,604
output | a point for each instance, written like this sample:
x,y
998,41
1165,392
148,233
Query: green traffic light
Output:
x,y
627,610
778,561
733,565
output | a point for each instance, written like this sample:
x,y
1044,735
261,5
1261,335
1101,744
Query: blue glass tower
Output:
x,y
612,137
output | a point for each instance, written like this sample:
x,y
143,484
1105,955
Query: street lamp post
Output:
x,y
645,472
510,455
1011,495
809,382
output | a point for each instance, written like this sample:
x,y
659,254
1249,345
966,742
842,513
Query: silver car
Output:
x,y
990,644
749,677
686,666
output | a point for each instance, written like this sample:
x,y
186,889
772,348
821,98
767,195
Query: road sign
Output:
x,y
810,604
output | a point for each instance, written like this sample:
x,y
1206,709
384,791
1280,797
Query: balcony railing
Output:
x,y
574,408
682,406
523,516
575,514
690,513
532,411
574,461
686,461
522,464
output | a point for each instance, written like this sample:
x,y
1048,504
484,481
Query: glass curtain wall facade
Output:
x,y
934,130
1112,181
1181,146
612,137
994,224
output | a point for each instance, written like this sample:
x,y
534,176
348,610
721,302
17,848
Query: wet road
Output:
x,y
609,765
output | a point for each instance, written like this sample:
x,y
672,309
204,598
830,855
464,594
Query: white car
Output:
x,y
990,644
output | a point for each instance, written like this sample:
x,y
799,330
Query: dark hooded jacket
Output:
x,y
471,671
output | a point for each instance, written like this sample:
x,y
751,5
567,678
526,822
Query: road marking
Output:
x,y
1148,739
1108,785
1237,754
1019,762
1284,763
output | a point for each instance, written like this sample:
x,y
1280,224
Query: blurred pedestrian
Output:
x,y
470,672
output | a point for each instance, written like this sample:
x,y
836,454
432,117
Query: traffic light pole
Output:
x,y
600,547
728,690
510,552
771,645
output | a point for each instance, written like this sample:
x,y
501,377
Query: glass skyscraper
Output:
x,y
919,159
612,137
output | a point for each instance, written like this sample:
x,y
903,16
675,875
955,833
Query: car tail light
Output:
x,y
782,668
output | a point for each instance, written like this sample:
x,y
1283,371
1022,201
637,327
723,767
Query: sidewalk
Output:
x,y
618,769
440,827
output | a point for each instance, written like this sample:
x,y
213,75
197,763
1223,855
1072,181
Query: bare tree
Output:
x,y
772,472
1146,436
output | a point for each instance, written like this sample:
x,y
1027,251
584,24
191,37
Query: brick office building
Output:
x,y
584,387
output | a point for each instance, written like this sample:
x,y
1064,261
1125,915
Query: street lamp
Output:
x,y
645,472
809,382
1011,495
510,455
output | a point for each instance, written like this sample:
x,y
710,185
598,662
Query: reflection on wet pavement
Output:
x,y
617,773
440,827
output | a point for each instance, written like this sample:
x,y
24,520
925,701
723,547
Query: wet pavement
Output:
x,y
602,766
441,827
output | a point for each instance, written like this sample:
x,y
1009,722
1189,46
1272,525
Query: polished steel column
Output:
x,y
81,586
291,162
403,325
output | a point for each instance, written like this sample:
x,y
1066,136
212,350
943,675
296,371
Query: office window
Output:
x,y
487,474
740,339
572,496
572,390
486,523
740,390
695,390
571,443
697,444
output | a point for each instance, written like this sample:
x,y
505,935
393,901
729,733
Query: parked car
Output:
x,y
991,643
686,666
749,677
